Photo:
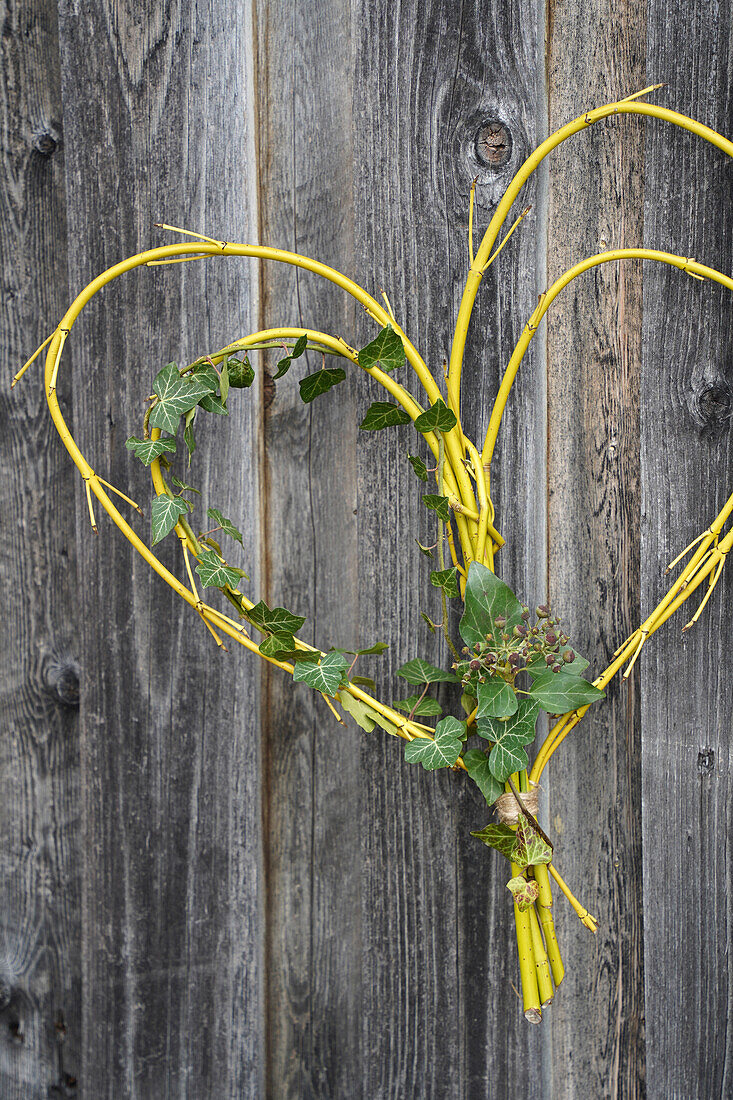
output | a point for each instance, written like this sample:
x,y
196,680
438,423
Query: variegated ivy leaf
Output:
x,y
183,487
477,766
426,706
500,837
486,598
443,751
507,757
176,395
313,385
525,892
520,726
323,675
496,699
279,645
437,418
165,514
147,450
275,619
418,671
226,525
559,692
385,350
383,414
215,573
439,504
447,579
530,848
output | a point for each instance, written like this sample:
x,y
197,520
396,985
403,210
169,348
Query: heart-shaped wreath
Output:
x,y
513,662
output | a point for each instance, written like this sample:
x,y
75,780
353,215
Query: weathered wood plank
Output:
x,y
39,751
159,127
687,452
440,1017
314,946
594,345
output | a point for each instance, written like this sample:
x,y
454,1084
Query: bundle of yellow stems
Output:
x,y
463,477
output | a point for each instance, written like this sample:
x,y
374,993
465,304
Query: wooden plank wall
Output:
x,y
234,897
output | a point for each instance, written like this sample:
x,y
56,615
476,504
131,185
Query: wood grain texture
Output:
x,y
687,455
160,128
314,946
440,1018
594,362
39,748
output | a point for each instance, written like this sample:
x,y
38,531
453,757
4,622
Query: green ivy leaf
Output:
x,y
437,418
424,549
284,364
364,681
559,692
207,375
241,373
447,579
212,404
313,385
383,414
524,891
477,766
520,726
418,671
299,346
165,513
418,466
147,450
224,380
183,487
486,598
188,438
500,837
537,664
432,627
367,717
426,706
440,505
277,619
443,751
496,699
215,573
386,349
378,647
176,395
226,525
530,848
323,675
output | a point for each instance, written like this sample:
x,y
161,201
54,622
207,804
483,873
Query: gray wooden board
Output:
x,y
687,463
594,345
40,1004
312,831
440,1016
159,128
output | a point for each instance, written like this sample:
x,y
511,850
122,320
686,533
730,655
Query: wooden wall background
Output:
x,y
228,895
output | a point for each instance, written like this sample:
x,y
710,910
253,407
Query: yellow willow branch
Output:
x,y
473,281
683,263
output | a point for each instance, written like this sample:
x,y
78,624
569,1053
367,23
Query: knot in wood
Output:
x,y
493,144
